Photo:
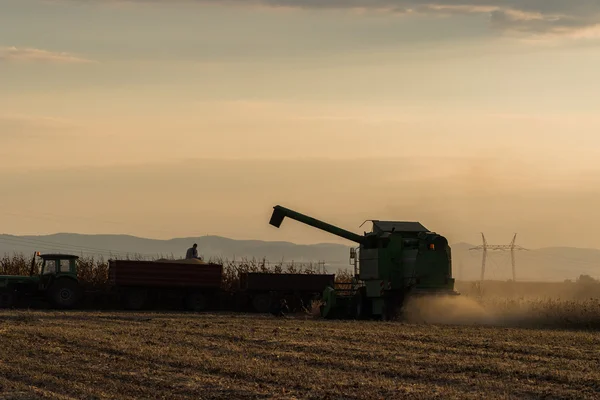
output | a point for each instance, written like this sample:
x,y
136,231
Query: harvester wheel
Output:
x,y
64,293
390,308
262,303
195,301
361,305
385,313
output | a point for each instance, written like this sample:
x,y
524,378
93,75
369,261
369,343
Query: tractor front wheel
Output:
x,y
64,293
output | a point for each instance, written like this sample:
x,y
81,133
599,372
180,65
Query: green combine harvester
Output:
x,y
394,261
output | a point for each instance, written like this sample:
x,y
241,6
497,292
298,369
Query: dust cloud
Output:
x,y
530,313
446,310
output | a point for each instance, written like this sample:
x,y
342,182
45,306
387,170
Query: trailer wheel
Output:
x,y
6,300
262,303
64,293
195,301
135,299
306,304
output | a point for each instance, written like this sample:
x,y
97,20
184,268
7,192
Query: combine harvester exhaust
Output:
x,y
394,261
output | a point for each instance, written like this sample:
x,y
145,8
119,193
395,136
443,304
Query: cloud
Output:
x,y
24,54
18,127
563,17
575,18
35,121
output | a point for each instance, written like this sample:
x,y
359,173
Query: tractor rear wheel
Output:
x,y
64,293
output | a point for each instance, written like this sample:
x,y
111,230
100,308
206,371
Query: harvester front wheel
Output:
x,y
386,314
361,305
392,306
64,293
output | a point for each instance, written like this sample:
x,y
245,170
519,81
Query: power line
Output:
x,y
54,246
36,241
498,247
56,217
12,241
63,247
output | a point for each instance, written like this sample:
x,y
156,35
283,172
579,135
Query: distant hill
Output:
x,y
115,246
546,264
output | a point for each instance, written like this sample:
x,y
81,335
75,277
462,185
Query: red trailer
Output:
x,y
146,284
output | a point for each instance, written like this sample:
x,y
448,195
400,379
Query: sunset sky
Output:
x,y
181,118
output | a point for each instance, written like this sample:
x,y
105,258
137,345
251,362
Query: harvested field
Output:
x,y
92,355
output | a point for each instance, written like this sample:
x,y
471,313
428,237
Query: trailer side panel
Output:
x,y
285,282
164,274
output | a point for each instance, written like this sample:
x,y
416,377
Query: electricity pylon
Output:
x,y
499,247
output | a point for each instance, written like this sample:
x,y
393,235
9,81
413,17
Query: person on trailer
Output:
x,y
192,253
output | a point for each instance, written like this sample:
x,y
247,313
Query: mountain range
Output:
x,y
544,264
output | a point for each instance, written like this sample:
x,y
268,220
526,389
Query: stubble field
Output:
x,y
93,355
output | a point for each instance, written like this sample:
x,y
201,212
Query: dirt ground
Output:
x,y
92,355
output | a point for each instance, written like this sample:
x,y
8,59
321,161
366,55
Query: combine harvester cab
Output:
x,y
395,260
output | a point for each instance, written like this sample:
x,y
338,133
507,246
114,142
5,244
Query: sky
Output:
x,y
188,117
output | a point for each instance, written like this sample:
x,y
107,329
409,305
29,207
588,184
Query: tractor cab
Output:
x,y
57,264
57,278
54,267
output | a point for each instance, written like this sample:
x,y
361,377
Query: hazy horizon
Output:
x,y
187,118
333,240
